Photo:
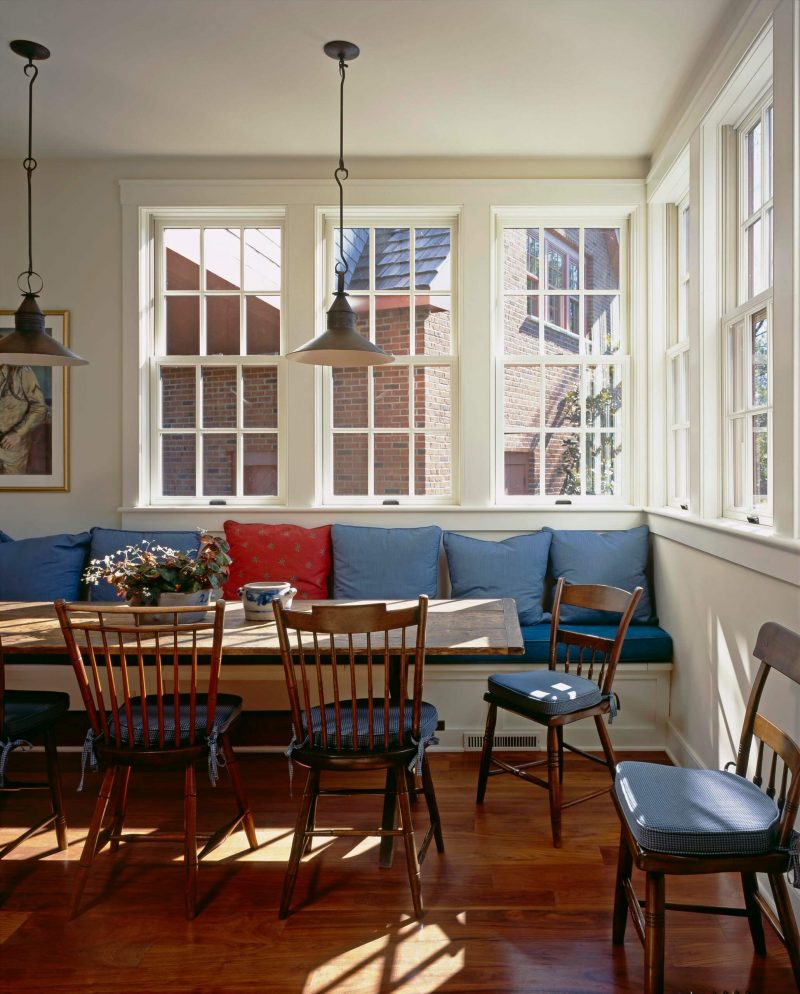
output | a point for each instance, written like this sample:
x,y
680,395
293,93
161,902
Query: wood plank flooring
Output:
x,y
505,911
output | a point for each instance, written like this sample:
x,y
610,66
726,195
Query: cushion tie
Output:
x,y
294,744
415,766
613,707
215,757
793,851
88,755
8,748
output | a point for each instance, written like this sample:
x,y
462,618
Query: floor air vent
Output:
x,y
511,742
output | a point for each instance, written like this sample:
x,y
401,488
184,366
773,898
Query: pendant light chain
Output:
x,y
31,70
341,173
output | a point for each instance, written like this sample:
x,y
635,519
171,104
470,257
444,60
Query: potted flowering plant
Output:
x,y
150,574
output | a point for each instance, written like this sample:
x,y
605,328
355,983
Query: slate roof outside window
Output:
x,y
392,257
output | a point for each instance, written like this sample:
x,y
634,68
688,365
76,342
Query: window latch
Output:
x,y
753,519
684,507
563,502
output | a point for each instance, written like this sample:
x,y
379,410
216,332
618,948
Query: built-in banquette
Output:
x,y
353,562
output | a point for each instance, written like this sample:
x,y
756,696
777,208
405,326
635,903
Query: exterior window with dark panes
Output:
x,y
216,362
390,428
748,328
562,387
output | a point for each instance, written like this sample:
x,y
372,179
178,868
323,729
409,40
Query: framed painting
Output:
x,y
34,417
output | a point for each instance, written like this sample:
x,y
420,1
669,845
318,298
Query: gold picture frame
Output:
x,y
45,451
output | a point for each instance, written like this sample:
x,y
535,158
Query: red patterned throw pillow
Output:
x,y
279,552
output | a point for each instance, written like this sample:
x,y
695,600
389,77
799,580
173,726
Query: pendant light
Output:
x,y
341,344
29,344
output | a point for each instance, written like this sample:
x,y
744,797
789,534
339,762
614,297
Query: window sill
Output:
x,y
754,547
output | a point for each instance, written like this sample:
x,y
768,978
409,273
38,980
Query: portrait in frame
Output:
x,y
34,417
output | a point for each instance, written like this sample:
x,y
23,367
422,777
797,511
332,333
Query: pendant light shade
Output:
x,y
341,344
29,344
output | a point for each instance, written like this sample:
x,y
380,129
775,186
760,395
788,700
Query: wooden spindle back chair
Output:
x,y
150,706
690,822
32,714
589,664
354,675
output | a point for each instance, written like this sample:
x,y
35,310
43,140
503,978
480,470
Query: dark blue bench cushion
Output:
x,y
616,558
643,644
385,563
514,568
43,569
690,812
108,541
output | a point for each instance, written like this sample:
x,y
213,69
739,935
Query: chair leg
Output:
x,y
560,732
605,741
246,814
386,850
624,870
554,784
410,844
750,888
121,805
190,841
54,780
310,792
788,922
654,934
90,845
310,823
433,807
411,783
486,754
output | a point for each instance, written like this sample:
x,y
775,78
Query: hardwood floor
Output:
x,y
505,911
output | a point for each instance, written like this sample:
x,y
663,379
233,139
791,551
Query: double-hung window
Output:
x,y
563,364
216,376
747,327
678,369
389,430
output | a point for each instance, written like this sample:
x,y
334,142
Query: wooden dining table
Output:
x,y
457,627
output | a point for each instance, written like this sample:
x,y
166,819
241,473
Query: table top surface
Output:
x,y
455,627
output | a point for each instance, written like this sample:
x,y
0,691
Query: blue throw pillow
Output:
x,y
43,569
514,568
385,563
107,541
616,558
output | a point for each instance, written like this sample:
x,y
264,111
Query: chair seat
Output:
x,y
30,711
228,707
429,719
691,812
544,692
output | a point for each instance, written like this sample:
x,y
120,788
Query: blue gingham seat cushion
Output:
x,y
429,718
544,692
691,812
228,706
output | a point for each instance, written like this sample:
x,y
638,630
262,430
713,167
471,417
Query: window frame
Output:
x,y
373,218
156,359
567,217
740,311
678,362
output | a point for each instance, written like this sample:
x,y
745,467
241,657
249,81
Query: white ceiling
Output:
x,y
435,77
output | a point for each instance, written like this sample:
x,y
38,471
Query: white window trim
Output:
x,y
549,217
412,217
678,279
153,224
